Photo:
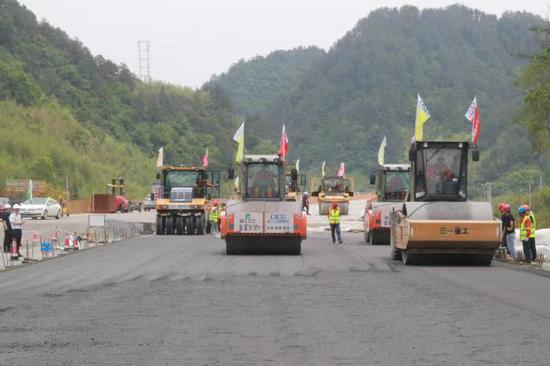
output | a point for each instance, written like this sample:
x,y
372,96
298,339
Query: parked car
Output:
x,y
148,203
4,200
42,207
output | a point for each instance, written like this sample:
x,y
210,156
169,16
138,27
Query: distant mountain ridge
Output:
x,y
365,87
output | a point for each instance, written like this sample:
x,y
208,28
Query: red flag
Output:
x,y
472,115
205,159
342,171
283,144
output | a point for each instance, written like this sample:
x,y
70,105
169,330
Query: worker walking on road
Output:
x,y
508,228
334,220
305,202
214,218
526,235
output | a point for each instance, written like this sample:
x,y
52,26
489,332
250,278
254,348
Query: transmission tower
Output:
x,y
144,61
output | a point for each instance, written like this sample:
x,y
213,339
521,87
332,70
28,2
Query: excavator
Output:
x,y
439,223
392,189
261,220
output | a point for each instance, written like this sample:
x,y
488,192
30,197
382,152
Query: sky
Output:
x,y
193,39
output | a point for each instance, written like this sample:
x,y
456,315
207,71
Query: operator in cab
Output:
x,y
264,182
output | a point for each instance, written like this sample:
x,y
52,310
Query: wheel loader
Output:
x,y
392,189
332,189
440,224
186,192
261,220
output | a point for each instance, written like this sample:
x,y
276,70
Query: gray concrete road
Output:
x,y
182,301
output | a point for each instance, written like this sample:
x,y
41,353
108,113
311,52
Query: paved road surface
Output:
x,y
182,301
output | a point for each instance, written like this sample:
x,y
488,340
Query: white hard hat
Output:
x,y
305,193
16,207
7,206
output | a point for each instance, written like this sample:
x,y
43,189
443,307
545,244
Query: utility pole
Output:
x,y
144,61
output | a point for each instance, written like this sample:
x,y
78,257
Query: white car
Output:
x,y
42,207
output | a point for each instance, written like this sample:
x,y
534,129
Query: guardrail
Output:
x,y
57,243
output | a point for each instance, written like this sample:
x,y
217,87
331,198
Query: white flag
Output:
x,y
382,151
160,158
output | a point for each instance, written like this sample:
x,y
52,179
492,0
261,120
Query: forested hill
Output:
x,y
365,87
90,119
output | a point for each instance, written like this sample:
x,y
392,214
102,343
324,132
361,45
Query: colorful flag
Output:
x,y
472,115
422,115
283,144
298,165
205,159
323,169
342,170
382,151
160,157
238,137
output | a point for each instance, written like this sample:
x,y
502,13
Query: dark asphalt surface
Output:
x,y
182,301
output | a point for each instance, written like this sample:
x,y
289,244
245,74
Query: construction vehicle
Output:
x,y
332,189
392,189
184,204
114,199
261,220
439,224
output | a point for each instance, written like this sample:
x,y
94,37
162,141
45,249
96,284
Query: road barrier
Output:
x,y
57,243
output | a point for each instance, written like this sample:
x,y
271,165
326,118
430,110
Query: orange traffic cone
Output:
x,y
67,244
75,244
13,250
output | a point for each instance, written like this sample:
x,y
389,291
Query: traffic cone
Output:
x,y
67,243
13,250
75,243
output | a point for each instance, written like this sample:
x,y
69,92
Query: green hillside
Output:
x,y
45,72
365,87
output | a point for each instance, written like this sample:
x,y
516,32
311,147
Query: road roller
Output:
x,y
261,220
392,189
439,224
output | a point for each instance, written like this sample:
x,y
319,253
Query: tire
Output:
x,y
58,216
170,225
45,215
160,225
189,226
200,225
180,225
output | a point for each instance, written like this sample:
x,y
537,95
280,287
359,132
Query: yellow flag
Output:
x,y
238,137
323,169
382,151
422,115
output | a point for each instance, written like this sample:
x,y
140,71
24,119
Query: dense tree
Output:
x,y
535,81
365,87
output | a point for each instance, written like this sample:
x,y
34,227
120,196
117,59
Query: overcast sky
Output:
x,y
193,39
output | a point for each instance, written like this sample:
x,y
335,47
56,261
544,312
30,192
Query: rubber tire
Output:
x,y
170,227
180,225
200,225
160,225
190,225
58,216
44,215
